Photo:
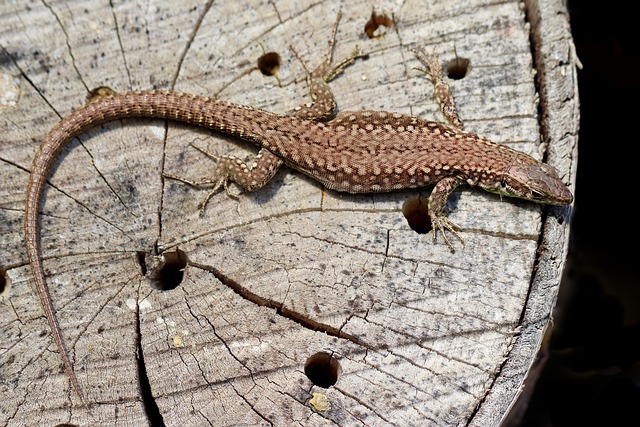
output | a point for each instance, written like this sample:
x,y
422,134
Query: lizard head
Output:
x,y
537,182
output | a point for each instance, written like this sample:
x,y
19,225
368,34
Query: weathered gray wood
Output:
x,y
423,336
556,62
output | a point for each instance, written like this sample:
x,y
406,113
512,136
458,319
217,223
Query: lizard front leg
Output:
x,y
437,201
444,187
442,90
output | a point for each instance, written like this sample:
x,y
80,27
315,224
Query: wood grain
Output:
x,y
422,336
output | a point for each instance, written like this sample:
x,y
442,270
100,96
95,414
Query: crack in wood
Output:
x,y
280,309
148,400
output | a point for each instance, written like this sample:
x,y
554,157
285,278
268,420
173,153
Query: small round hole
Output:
x,y
457,68
322,369
416,212
166,271
269,64
375,22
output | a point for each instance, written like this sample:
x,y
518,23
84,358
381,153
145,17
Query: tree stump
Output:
x,y
293,304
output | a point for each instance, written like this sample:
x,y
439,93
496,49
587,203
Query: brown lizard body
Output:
x,y
355,152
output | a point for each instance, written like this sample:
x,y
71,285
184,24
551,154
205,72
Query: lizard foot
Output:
x,y
430,61
327,70
221,178
217,182
443,224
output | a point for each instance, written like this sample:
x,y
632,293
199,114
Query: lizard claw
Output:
x,y
443,224
221,181
328,70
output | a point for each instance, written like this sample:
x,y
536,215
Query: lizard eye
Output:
x,y
535,195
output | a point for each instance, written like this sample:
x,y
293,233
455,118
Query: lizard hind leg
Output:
x,y
206,182
232,169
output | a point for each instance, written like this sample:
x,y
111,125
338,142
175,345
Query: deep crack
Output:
x,y
148,401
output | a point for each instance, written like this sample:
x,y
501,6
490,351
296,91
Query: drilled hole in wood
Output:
x,y
269,64
373,26
166,271
416,212
322,369
457,68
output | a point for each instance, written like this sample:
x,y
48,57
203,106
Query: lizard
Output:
x,y
354,152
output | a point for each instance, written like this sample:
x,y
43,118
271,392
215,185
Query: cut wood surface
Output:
x,y
416,334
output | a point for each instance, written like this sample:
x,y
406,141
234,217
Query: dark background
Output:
x,y
592,375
